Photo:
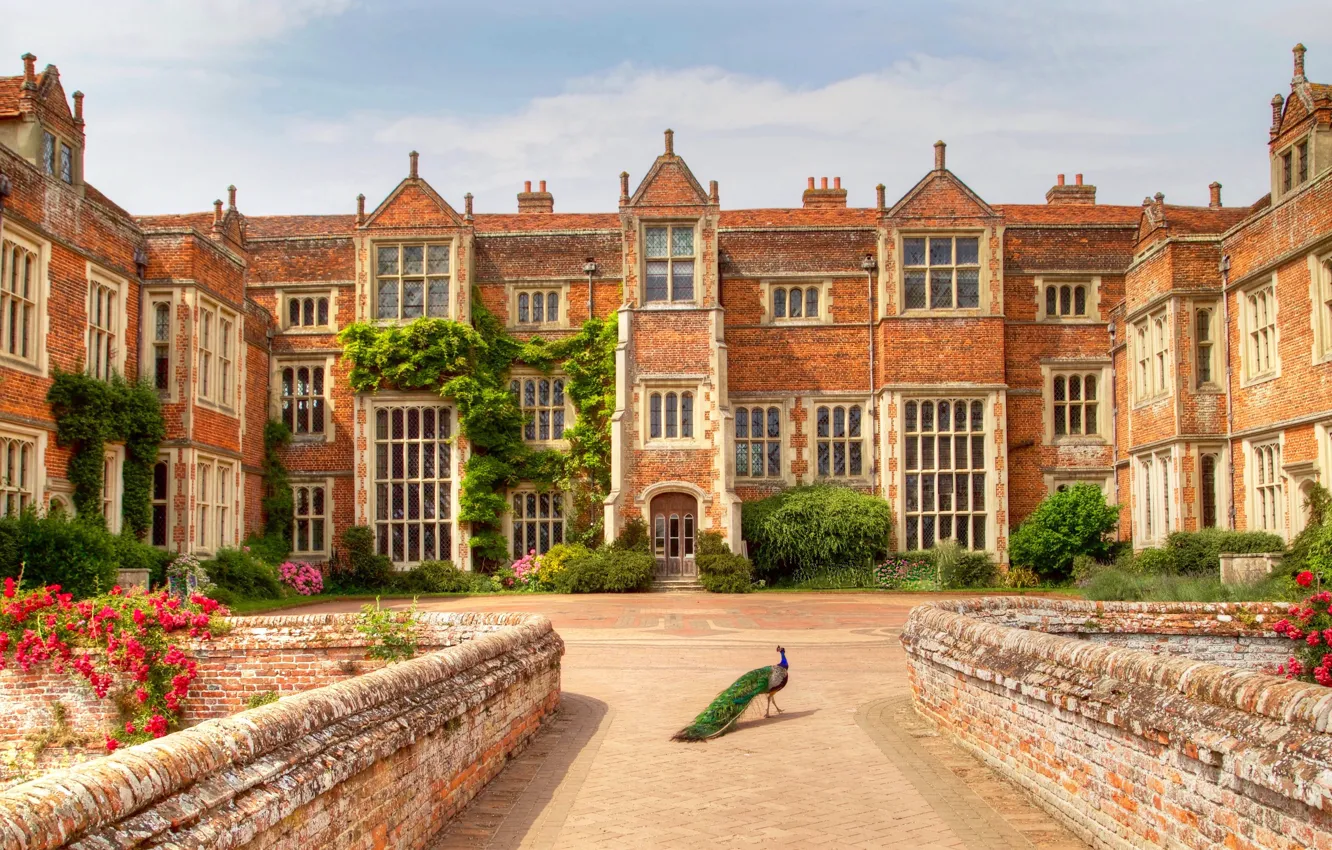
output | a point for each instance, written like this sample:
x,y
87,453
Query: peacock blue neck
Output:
x,y
783,664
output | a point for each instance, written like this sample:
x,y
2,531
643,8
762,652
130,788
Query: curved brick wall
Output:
x,y
1132,748
381,759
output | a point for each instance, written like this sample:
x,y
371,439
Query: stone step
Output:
x,y
676,585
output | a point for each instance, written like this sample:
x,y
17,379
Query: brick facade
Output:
x,y
1159,351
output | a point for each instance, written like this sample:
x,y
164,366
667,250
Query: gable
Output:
x,y
669,183
414,204
941,195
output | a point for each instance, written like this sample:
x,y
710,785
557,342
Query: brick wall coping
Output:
x,y
435,629
223,756
1062,616
1257,727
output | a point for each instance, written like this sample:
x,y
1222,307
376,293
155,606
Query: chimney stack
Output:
x,y
823,197
1277,101
360,209
939,148
413,160
231,197
535,202
78,108
1215,202
217,214
1298,50
467,207
879,195
624,187
1077,194
670,143
712,192
29,71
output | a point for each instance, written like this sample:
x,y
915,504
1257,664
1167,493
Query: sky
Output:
x,y
303,104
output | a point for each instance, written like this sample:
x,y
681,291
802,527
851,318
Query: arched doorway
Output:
x,y
673,521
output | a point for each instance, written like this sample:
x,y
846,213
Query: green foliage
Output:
x,y
392,635
960,568
816,527
1199,552
1084,567
77,554
265,698
1154,562
270,549
712,542
355,565
1319,560
1113,584
1076,521
725,572
628,570
470,365
131,553
441,577
553,562
243,576
1021,577
277,502
89,413
846,577
633,537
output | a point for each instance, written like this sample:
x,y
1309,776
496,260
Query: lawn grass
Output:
x,y
258,606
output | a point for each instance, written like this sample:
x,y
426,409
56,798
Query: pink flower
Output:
x,y
130,728
156,726
1304,579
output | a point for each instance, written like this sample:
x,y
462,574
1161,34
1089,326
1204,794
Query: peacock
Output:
x,y
727,708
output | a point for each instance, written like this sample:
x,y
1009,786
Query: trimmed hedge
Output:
x,y
441,577
816,527
1199,552
725,572
606,571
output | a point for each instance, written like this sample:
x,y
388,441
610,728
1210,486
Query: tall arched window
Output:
x,y
162,347
160,494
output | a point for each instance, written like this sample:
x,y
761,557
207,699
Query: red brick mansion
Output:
x,y
961,357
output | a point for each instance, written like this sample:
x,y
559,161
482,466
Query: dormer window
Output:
x,y
412,281
49,154
941,272
66,163
670,264
57,158
1302,161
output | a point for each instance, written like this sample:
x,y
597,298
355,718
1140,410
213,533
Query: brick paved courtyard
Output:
x,y
847,765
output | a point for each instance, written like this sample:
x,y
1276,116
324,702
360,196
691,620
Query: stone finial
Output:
x,y
1215,199
217,214
880,199
29,71
413,160
939,148
1277,101
712,192
231,197
1298,51
624,187
670,142
78,107
360,209
467,206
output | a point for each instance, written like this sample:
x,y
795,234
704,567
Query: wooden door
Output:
x,y
674,523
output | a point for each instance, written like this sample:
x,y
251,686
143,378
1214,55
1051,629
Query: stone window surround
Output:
x,y
1143,332
1250,481
1320,297
1216,345
148,360
1067,477
1222,453
221,315
1292,150
1091,282
524,488
824,285
372,276
1165,515
56,165
205,541
326,545
114,490
811,405
994,503
784,405
515,288
898,284
1246,317
118,327
286,294
521,375
643,225
1101,370
40,440
367,509
37,365
169,502
277,363
645,387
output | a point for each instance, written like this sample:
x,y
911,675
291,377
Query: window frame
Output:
x,y
768,296
1220,485
449,277
151,345
388,403
782,441
36,362
679,389
1154,489
670,301
114,331
982,272
164,502
287,297
1052,373
992,504
217,371
215,503
1263,457
113,486
36,469
518,291
1153,356
512,521
1252,335
1205,350
1320,297
522,376
280,397
813,439
1092,299
325,549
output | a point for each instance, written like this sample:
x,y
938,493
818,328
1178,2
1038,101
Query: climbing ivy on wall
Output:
x,y
469,364
89,414
278,507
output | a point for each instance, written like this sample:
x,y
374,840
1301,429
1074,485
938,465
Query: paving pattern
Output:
x,y
848,764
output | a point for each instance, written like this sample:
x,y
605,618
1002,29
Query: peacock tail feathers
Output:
x,y
727,707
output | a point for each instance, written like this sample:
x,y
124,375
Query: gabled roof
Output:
x,y
669,182
941,189
1203,220
414,203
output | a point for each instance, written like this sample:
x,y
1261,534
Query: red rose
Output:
x,y
111,744
1304,579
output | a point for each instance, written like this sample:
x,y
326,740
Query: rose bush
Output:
x,y
1309,627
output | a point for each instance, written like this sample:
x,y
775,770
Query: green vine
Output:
x,y
469,364
89,414
278,508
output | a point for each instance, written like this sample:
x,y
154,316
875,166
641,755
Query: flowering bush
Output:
x,y
1309,625
304,578
900,571
186,574
119,641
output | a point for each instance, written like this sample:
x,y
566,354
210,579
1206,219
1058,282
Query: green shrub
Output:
x,y
243,575
816,527
725,572
712,542
1199,552
1084,567
845,577
133,554
431,577
1021,577
79,555
553,562
391,635
357,567
1113,584
628,571
270,548
1154,562
583,574
1076,521
633,537
959,568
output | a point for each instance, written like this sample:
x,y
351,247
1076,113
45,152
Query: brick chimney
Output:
x,y
539,201
823,197
360,209
939,150
1298,51
1078,193
29,71
1277,101
1215,189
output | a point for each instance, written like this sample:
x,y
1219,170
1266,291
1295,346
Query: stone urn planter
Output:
x,y
132,578
1245,569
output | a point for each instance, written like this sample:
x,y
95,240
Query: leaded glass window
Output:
x,y
669,271
304,399
941,272
413,474
412,281
543,404
538,521
671,415
944,478
1074,405
758,444
309,519
839,441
